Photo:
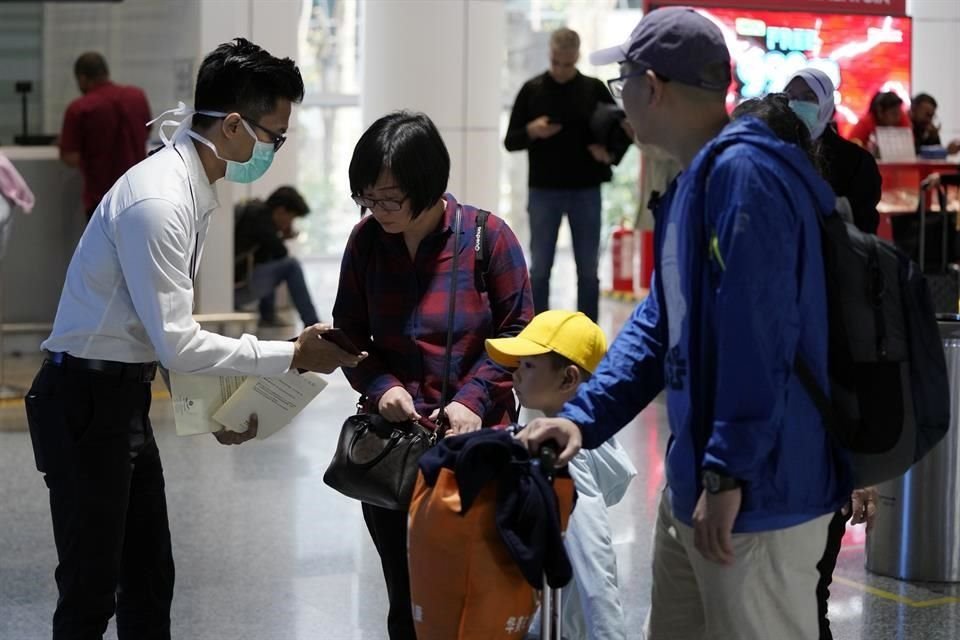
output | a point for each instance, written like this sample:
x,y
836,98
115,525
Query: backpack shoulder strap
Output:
x,y
481,249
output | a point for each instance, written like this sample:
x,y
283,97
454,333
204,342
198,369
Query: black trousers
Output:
x,y
827,564
93,442
388,529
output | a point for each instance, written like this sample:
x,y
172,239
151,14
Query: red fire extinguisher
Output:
x,y
622,250
646,258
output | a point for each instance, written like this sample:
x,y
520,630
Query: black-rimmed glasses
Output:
x,y
382,204
277,138
616,85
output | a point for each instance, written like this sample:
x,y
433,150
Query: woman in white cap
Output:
x,y
848,167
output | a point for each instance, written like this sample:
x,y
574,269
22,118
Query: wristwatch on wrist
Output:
x,y
715,482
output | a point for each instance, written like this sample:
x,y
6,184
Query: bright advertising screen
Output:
x,y
862,54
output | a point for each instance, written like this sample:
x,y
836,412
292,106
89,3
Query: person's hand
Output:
x,y
459,418
953,146
542,128
233,437
313,353
863,506
713,525
396,405
600,153
562,431
931,181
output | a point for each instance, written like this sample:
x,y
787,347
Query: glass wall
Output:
x,y
329,120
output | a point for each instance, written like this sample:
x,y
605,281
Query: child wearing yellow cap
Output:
x,y
551,357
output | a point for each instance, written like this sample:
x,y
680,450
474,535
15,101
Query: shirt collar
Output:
x,y
449,213
204,193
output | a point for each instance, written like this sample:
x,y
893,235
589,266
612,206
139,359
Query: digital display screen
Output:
x,y
862,54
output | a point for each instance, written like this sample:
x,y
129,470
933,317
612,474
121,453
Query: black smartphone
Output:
x,y
339,338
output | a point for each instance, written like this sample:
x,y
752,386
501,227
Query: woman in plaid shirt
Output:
x,y
393,302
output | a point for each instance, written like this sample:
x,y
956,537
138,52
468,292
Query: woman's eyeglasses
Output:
x,y
382,204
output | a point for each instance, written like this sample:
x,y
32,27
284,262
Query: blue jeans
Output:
x,y
546,208
263,283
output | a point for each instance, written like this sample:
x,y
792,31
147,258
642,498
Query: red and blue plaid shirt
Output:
x,y
396,309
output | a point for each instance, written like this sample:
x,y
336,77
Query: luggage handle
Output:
x,y
942,198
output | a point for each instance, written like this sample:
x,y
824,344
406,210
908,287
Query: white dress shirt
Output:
x,y
128,296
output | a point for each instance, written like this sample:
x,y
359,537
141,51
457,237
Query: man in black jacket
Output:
x,y
551,120
262,260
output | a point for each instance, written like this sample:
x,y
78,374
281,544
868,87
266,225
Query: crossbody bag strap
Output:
x,y
451,311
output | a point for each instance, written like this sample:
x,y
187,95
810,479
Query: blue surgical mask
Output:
x,y
253,169
243,172
809,114
250,170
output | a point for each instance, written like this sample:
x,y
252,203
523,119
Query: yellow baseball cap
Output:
x,y
568,333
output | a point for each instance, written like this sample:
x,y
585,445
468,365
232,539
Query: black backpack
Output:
x,y
889,390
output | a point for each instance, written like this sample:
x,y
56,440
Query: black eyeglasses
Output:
x,y
616,85
278,138
384,205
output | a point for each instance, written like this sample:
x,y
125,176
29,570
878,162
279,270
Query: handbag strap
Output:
x,y
451,312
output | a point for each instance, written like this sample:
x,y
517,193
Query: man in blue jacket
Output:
x,y
752,477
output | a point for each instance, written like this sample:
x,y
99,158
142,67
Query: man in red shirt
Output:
x,y
104,131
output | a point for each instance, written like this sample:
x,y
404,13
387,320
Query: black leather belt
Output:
x,y
136,371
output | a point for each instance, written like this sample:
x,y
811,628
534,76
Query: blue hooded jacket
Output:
x,y
739,289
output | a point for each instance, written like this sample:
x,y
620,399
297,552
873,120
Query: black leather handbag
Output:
x,y
376,460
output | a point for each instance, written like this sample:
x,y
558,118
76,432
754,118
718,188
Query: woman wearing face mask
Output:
x,y
393,302
849,168
773,110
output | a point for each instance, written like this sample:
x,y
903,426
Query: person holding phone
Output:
x,y
551,119
393,302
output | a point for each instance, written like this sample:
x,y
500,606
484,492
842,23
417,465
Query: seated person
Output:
x,y
926,132
551,357
262,261
886,110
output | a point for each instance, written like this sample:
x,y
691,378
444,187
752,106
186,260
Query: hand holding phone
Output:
x,y
339,338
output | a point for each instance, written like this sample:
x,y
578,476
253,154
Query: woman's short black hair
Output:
x,y
410,147
242,77
774,110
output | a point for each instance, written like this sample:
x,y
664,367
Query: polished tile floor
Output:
x,y
265,551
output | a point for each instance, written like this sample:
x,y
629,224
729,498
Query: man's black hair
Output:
x,y
925,97
91,65
883,101
774,110
410,147
290,199
239,76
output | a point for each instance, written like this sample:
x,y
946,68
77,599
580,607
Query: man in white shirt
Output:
x,y
127,303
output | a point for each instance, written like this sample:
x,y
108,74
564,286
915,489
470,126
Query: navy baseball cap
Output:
x,y
676,42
